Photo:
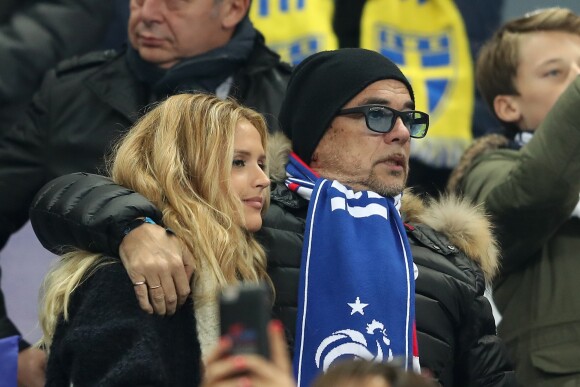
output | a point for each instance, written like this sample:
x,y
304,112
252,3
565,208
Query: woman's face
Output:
x,y
248,177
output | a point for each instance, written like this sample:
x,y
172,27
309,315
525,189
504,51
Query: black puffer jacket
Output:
x,y
82,108
455,326
455,253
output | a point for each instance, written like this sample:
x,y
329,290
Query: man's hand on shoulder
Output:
x,y
160,267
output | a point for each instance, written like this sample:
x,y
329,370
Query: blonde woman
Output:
x,y
202,161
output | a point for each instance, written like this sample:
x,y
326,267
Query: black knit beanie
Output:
x,y
321,85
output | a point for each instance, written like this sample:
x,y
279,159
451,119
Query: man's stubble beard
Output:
x,y
373,183
334,170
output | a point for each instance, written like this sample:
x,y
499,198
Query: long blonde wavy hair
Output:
x,y
179,156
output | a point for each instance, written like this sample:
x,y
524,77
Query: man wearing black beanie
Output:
x,y
322,84
332,143
349,115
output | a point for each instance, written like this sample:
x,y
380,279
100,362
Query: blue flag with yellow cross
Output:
x,y
428,41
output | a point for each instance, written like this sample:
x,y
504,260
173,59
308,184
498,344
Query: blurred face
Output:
x,y
354,155
248,178
549,62
166,31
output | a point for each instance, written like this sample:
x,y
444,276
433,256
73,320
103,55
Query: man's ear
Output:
x,y
507,108
233,11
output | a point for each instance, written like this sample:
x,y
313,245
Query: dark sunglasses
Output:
x,y
382,119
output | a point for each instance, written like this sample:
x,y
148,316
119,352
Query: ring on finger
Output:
x,y
154,287
138,283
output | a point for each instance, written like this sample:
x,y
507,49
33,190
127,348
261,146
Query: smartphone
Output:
x,y
244,316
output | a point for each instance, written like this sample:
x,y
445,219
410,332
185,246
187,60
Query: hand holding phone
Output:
x,y
250,369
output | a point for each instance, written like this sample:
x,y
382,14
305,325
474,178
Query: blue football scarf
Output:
x,y
357,288
8,361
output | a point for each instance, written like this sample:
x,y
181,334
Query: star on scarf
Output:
x,y
357,307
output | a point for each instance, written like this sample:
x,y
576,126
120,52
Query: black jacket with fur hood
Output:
x,y
456,256
451,242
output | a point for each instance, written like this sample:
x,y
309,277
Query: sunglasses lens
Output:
x,y
418,124
380,119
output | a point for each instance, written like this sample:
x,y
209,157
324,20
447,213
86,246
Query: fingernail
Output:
x,y
239,362
277,325
224,341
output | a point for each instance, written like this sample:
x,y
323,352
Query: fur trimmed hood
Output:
x,y
465,225
480,146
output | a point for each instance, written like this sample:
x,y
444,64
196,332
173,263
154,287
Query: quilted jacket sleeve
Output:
x,y
86,211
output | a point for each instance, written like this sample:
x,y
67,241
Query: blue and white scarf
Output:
x,y
357,288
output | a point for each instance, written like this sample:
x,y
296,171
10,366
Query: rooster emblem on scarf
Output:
x,y
353,344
